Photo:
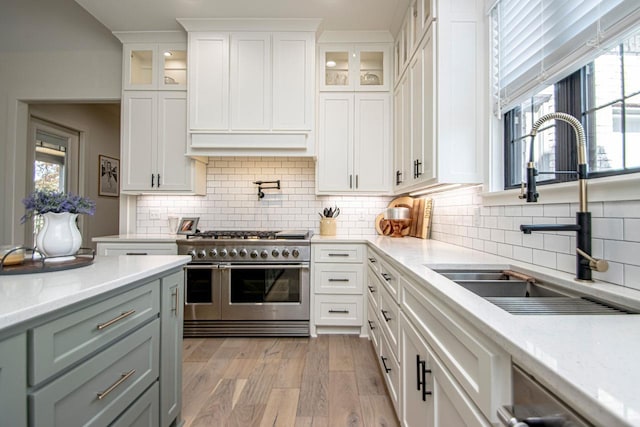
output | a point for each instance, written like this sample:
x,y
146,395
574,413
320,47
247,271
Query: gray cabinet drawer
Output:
x,y
13,381
143,413
66,340
120,373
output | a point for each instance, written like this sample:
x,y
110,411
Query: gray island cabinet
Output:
x,y
101,345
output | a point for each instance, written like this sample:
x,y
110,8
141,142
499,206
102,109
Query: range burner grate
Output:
x,y
234,234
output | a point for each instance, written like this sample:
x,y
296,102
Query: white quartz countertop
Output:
x,y
139,238
25,297
590,361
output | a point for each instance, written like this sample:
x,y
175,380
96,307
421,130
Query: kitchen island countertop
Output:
x,y
26,297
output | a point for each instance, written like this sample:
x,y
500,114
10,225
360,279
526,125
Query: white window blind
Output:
x,y
537,42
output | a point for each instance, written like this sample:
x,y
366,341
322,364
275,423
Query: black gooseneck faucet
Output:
x,y
584,261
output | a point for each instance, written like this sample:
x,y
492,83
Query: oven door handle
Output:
x,y
201,267
264,266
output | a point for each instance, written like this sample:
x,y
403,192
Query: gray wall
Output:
x,y
49,51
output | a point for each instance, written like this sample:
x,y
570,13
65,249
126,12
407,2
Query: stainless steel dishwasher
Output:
x,y
534,405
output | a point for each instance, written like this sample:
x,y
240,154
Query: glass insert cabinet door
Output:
x,y
355,67
151,66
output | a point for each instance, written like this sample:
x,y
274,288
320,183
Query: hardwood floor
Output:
x,y
329,381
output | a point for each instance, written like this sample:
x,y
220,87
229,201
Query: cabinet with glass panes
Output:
x,y
355,67
155,66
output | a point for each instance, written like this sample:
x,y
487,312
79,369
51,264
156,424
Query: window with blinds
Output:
x,y
538,42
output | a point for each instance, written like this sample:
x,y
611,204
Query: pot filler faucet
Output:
x,y
584,261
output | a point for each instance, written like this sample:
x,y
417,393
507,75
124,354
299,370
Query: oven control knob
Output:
x,y
213,253
285,252
223,252
254,254
264,254
192,252
275,253
295,253
243,252
202,253
233,252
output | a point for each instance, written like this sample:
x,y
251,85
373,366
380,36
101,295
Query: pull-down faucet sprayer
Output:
x,y
584,261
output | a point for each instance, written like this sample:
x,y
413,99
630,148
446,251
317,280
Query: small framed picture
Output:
x,y
188,225
109,179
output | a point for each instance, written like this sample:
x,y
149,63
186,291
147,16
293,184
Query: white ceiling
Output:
x,y
150,15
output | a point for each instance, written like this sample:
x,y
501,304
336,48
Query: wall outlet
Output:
x,y
155,214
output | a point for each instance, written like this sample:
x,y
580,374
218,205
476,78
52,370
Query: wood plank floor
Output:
x,y
329,381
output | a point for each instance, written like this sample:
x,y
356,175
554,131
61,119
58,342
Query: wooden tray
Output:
x,y
84,257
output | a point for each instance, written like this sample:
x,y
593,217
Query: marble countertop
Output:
x,y
28,296
590,361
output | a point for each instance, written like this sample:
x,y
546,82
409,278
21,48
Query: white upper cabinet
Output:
x,y
354,143
251,87
155,66
360,67
208,97
442,131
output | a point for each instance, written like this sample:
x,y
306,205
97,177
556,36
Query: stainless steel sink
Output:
x,y
519,294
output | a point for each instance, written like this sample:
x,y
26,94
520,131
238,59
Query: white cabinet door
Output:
x,y
407,171
372,69
172,66
174,168
417,109
250,68
372,145
139,136
293,80
335,156
428,115
140,62
398,146
208,81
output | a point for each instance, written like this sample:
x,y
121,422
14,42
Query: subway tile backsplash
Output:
x,y
459,218
232,200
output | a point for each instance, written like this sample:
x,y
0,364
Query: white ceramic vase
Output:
x,y
59,237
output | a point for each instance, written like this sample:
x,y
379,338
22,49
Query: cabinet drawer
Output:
x,y
338,279
479,366
66,340
373,260
115,249
389,321
338,310
373,287
97,391
143,413
390,279
390,370
338,253
373,326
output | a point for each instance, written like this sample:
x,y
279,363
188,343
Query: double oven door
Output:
x,y
247,292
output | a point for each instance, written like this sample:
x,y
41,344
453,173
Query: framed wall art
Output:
x,y
109,176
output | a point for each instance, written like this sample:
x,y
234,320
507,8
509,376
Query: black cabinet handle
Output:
x,y
137,253
356,181
384,363
339,311
350,181
398,177
338,254
158,180
421,376
387,277
372,260
153,177
371,325
371,289
384,314
338,280
418,164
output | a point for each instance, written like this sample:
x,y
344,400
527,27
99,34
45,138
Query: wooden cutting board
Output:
x,y
424,231
418,218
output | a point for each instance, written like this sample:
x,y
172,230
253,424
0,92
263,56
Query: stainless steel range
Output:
x,y
251,283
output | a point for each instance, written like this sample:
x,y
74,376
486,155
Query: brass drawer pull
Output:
x,y
113,386
104,325
176,297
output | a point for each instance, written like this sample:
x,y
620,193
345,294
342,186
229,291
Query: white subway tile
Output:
x,y
544,258
497,236
632,276
523,254
622,252
491,247
532,209
505,250
607,228
632,229
513,210
625,209
557,243
559,209
615,274
566,263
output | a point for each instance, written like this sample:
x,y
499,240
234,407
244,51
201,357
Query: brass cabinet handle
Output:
x,y
113,386
104,325
176,297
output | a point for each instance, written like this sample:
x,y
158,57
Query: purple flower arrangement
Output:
x,y
42,201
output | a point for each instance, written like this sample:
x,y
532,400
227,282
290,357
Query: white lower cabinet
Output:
x,y
337,303
115,249
431,396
